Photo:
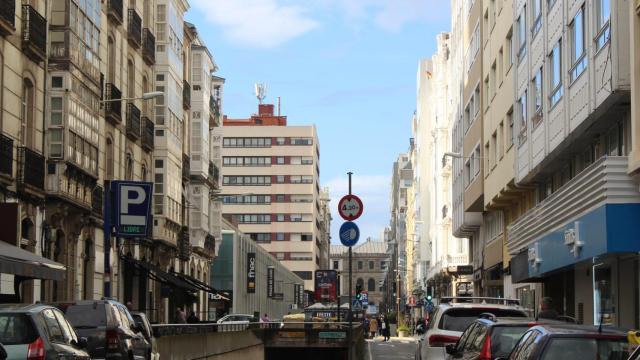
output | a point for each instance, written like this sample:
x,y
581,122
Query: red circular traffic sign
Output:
x,y
350,207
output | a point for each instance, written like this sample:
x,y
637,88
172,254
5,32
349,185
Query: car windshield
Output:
x,y
457,319
587,349
16,329
504,339
87,315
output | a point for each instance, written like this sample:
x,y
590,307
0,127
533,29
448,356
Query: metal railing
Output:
x,y
133,121
6,155
148,46
113,109
147,133
134,26
34,33
7,17
30,168
115,10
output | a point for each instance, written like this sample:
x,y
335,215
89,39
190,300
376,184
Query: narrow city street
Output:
x,y
395,348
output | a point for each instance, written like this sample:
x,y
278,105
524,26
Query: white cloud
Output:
x,y
257,23
373,190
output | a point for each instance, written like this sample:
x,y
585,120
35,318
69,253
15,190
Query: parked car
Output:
x,y
38,331
110,329
143,323
234,322
453,315
571,342
489,338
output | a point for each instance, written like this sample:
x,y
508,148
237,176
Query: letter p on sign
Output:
x,y
131,195
132,207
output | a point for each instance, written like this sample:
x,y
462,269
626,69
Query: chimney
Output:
x,y
265,109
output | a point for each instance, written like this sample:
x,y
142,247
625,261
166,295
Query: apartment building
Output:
x,y
467,132
270,182
500,192
23,50
572,138
401,181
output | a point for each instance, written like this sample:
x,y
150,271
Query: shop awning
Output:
x,y
157,274
200,285
520,269
17,261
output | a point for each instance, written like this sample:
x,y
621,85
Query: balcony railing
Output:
x,y
6,155
186,95
30,168
7,17
34,34
133,121
214,174
113,109
147,133
148,46
605,181
134,25
186,167
115,10
97,200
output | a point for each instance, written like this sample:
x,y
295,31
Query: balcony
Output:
x,y
186,167
34,34
30,168
210,246
115,10
134,25
184,247
214,175
186,95
147,134
148,46
7,17
603,182
113,109
6,155
97,200
133,121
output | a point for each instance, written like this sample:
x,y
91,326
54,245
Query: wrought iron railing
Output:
x,y
133,121
115,10
34,33
148,46
30,168
6,155
134,25
113,109
147,133
7,17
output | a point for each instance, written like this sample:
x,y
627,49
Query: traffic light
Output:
x,y
429,298
358,292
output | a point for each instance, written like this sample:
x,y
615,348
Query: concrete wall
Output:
x,y
213,345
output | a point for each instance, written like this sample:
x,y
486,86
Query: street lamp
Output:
x,y
145,96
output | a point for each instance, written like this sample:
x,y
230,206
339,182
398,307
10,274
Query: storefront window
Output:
x,y
527,297
603,302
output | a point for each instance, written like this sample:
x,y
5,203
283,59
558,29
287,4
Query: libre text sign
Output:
x,y
349,233
132,208
350,207
251,273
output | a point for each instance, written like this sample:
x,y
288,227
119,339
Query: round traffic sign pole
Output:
x,y
350,207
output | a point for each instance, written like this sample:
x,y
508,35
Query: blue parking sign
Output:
x,y
132,210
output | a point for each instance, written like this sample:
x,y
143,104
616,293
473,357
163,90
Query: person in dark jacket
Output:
x,y
193,319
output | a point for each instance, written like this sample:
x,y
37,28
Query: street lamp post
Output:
x,y
107,206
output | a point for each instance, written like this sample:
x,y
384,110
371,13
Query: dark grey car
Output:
x,y
110,329
38,331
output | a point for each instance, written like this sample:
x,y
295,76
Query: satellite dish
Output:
x,y
261,91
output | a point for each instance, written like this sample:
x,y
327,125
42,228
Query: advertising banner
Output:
x,y
326,285
251,273
270,281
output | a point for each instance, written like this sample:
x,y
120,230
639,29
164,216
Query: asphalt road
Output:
x,y
396,348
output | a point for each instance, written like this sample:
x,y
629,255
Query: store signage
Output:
x,y
251,273
301,295
270,281
332,335
572,239
326,285
133,208
364,298
533,256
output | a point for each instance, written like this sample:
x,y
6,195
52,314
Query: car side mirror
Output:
x,y
451,349
82,343
136,328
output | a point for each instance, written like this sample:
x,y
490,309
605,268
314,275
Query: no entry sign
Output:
x,y
350,207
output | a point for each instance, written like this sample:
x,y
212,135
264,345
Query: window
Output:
x,y
500,70
555,74
360,265
495,153
55,143
500,140
383,265
371,265
371,285
280,179
536,9
476,100
509,134
128,167
131,79
522,109
304,275
492,81
603,15
521,24
578,56
537,100
335,265
509,53
28,108
109,159
54,329
280,160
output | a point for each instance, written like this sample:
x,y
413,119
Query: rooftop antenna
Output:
x,y
261,91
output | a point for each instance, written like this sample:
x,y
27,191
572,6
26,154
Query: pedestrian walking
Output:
x,y
193,318
265,318
180,316
387,330
373,327
379,325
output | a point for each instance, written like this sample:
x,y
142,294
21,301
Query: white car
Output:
x,y
234,322
452,316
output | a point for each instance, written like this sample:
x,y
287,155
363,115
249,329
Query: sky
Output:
x,y
347,66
